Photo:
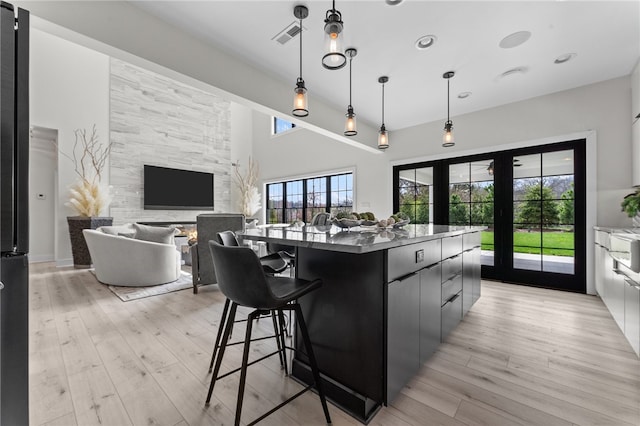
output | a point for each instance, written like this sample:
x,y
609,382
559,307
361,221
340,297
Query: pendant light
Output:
x,y
300,108
333,58
350,128
447,138
383,135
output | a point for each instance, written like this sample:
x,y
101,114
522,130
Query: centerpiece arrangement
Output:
x,y
349,220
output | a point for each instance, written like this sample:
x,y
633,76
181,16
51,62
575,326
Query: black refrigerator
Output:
x,y
14,215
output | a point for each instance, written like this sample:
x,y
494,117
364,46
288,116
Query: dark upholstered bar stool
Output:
x,y
242,280
270,265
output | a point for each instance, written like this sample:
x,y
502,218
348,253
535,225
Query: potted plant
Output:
x,y
631,206
87,197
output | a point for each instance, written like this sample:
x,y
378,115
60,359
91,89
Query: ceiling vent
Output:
x,y
288,33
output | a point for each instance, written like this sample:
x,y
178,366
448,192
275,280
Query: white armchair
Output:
x,y
126,261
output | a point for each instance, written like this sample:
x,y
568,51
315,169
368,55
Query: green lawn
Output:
x,y
553,243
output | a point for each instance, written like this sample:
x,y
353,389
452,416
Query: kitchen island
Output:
x,y
388,299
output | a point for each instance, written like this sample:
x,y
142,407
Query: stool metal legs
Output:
x,y
278,330
245,359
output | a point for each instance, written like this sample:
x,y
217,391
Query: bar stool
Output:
x,y
242,280
270,265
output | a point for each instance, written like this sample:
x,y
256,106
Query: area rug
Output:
x,y
133,293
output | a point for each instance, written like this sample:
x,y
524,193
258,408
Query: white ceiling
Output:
x,y
605,35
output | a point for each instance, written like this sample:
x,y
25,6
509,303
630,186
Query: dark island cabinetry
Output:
x,y
387,301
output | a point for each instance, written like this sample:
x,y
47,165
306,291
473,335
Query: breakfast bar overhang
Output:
x,y
389,296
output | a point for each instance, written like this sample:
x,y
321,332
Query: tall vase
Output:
x,y
79,250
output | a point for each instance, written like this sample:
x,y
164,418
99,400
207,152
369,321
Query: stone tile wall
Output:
x,y
158,121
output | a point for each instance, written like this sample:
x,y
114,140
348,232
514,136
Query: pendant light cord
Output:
x,y
350,59
383,104
300,48
448,80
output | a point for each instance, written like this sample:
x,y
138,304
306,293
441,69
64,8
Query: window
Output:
x,y
302,199
280,126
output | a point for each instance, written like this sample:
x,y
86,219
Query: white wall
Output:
x,y
69,89
43,170
602,107
241,147
300,153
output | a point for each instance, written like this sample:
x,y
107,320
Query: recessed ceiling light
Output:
x,y
464,95
564,58
513,71
426,42
393,2
515,39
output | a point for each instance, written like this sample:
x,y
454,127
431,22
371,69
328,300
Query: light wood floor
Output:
x,y
521,356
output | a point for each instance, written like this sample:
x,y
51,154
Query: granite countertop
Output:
x,y
356,240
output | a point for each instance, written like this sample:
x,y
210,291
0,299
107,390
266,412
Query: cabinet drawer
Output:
x,y
451,246
411,258
471,240
451,287
451,315
451,267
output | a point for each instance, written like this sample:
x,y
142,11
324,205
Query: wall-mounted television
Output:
x,y
175,189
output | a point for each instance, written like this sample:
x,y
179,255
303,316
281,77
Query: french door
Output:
x,y
531,201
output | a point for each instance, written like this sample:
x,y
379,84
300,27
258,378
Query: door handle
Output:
x,y
1,285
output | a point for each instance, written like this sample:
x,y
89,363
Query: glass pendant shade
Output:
x,y
333,58
350,125
300,108
383,138
448,139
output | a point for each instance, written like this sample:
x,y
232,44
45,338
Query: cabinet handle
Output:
x,y
405,277
452,299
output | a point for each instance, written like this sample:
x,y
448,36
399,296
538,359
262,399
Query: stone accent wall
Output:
x,y
158,121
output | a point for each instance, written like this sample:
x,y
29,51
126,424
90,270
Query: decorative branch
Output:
x,y
86,196
247,184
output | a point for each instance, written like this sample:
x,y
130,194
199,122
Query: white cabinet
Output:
x,y
635,144
620,295
615,298
632,315
599,254
635,130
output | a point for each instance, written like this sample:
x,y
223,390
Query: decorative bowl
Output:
x,y
401,223
346,223
369,223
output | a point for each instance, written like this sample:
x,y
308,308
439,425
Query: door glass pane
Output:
x,y
415,194
543,212
558,235
471,198
527,249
